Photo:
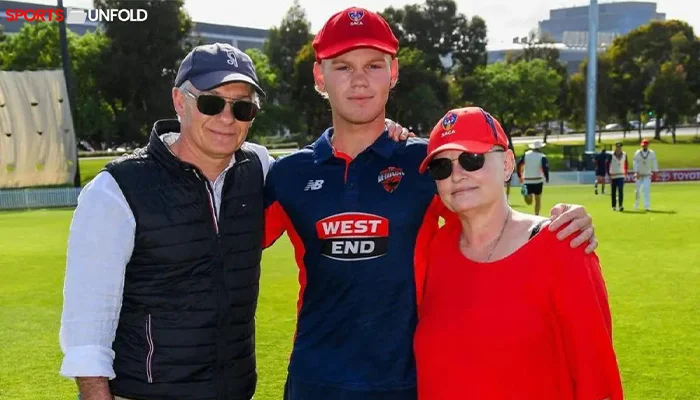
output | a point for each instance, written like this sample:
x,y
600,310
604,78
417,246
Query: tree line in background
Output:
x,y
122,75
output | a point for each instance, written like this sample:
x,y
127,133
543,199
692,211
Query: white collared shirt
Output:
x,y
100,244
645,162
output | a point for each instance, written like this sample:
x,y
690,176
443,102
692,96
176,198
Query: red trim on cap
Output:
x,y
344,47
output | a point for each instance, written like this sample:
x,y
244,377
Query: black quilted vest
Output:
x,y
186,328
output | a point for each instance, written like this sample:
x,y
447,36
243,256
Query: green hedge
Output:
x,y
88,154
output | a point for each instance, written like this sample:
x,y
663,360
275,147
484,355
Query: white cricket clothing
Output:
x,y
645,162
617,166
533,173
643,184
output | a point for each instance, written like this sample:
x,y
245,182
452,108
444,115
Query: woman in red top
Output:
x,y
512,312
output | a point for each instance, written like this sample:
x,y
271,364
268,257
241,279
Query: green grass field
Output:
x,y
684,154
650,260
89,167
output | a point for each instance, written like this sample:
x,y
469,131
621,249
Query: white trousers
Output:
x,y
643,184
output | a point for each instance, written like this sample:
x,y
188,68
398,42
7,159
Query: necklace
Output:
x,y
498,239
503,229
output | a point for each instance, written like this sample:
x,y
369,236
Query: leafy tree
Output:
x,y
310,107
638,56
282,48
37,47
138,67
421,96
543,48
577,99
607,105
520,94
448,39
670,95
284,42
494,88
268,121
93,117
472,52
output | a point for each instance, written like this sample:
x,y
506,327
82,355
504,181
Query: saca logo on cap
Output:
x,y
448,123
356,17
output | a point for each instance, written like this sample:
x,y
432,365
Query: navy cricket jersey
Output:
x,y
354,225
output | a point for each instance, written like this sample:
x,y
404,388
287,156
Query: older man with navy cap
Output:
x,y
164,252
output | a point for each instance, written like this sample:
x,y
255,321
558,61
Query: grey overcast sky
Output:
x,y
505,19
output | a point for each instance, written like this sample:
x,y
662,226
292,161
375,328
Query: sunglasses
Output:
x,y
210,104
441,168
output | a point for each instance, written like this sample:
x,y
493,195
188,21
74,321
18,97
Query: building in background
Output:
x,y
241,37
567,28
570,25
571,57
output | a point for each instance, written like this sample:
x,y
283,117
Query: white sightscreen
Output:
x,y
37,140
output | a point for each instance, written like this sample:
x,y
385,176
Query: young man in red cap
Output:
x,y
357,211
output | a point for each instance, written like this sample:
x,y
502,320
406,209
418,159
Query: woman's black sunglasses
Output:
x,y
210,104
441,168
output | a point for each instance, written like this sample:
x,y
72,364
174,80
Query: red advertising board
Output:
x,y
670,175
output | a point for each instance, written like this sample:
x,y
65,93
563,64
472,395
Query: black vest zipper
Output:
x,y
221,289
212,204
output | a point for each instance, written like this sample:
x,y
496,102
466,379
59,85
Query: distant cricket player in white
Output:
x,y
533,171
645,168
617,172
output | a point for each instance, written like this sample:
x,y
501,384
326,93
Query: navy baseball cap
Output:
x,y
212,65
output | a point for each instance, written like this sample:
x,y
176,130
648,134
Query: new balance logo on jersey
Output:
x,y
314,185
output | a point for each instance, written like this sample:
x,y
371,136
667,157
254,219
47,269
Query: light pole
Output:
x,y
592,76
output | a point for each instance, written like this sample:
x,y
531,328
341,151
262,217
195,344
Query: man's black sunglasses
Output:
x,y
210,104
441,168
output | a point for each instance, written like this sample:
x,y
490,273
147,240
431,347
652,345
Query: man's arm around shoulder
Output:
x,y
100,244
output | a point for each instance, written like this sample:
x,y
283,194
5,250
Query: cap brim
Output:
x,y
211,80
532,146
466,145
353,44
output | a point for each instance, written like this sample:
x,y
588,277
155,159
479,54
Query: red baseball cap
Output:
x,y
469,129
645,142
351,29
